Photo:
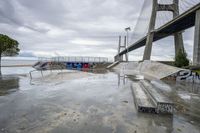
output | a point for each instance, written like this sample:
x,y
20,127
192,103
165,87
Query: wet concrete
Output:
x,y
186,97
8,84
92,103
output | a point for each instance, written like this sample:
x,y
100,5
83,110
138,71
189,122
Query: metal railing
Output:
x,y
74,59
45,69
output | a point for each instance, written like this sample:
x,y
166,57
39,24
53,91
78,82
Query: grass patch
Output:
x,y
197,71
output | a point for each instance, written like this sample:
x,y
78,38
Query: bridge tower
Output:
x,y
178,39
120,47
196,51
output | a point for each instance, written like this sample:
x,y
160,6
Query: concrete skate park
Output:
x,y
92,95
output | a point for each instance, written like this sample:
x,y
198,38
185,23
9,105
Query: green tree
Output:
x,y
8,47
181,59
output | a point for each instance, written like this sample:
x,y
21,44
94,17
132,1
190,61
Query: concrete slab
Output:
x,y
89,103
164,105
158,97
113,65
157,70
142,101
149,69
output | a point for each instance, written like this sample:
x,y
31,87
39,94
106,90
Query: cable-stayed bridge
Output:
x,y
168,17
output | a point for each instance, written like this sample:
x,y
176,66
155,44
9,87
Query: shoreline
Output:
x,y
17,66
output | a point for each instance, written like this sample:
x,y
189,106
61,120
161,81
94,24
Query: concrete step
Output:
x,y
164,104
153,100
142,101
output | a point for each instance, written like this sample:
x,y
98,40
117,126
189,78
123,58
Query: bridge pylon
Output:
x,y
178,39
196,51
120,48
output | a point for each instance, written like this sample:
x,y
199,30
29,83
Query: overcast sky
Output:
x,y
77,27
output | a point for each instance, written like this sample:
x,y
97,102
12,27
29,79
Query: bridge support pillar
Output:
x,y
121,46
196,51
148,48
178,39
118,58
125,44
149,41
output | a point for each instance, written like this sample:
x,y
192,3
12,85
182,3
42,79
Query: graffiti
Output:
x,y
146,110
63,65
185,75
188,75
79,66
161,108
164,108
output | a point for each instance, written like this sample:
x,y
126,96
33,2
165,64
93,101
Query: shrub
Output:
x,y
181,59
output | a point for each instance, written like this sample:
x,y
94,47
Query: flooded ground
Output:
x,y
81,102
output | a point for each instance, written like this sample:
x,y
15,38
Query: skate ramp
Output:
x,y
149,69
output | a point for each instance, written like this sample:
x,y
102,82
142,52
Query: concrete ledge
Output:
x,y
164,105
142,102
148,99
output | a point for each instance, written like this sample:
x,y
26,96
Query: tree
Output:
x,y
8,47
181,59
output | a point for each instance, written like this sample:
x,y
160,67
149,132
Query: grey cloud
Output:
x,y
8,13
64,26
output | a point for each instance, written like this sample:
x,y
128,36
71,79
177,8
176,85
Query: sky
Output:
x,y
47,28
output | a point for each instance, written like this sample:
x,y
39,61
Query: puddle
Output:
x,y
95,103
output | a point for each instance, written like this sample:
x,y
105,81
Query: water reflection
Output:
x,y
156,123
95,71
136,77
8,84
60,76
186,97
84,102
122,79
184,86
150,122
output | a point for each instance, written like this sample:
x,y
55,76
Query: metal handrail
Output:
x,y
74,59
30,73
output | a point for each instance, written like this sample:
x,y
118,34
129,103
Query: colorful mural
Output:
x,y
63,65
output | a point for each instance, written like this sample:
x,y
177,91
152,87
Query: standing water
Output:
x,y
81,102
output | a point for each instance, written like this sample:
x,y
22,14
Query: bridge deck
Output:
x,y
180,23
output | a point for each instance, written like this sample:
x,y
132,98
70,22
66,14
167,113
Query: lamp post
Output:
x,y
127,42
